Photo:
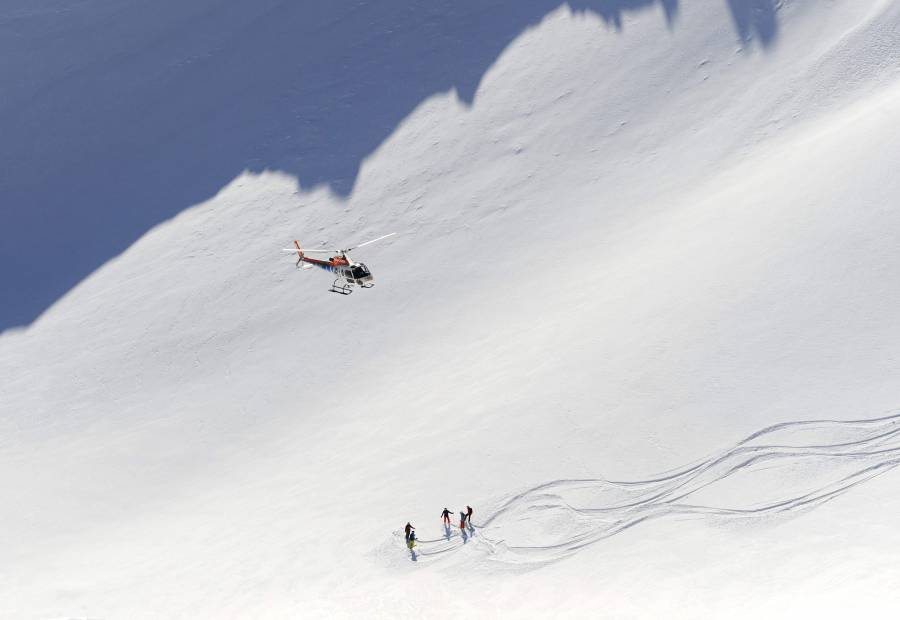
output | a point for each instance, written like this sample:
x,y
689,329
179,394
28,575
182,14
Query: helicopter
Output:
x,y
349,272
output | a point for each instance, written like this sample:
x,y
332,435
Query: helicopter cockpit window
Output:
x,y
359,271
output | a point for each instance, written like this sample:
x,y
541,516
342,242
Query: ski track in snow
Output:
x,y
781,469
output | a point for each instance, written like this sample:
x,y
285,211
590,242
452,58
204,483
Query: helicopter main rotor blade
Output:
x,y
368,242
305,251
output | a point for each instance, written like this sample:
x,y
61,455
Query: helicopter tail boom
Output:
x,y
302,261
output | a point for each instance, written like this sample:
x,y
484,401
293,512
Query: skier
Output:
x,y
409,528
411,541
462,521
446,516
469,512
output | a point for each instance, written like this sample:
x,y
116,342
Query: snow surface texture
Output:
x,y
647,231
783,468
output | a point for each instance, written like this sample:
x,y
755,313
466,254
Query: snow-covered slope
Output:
x,y
638,250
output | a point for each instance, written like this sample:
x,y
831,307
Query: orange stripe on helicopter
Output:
x,y
328,265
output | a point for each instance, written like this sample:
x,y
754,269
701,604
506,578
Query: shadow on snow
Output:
x,y
117,116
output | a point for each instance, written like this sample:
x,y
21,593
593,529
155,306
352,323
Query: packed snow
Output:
x,y
640,313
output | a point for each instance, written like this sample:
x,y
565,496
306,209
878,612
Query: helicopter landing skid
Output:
x,y
343,289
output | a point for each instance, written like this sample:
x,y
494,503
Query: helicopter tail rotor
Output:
x,y
300,256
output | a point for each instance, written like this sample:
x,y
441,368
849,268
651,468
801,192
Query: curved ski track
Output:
x,y
783,468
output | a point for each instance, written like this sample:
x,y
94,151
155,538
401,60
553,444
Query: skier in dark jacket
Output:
x,y
446,516
408,529
469,512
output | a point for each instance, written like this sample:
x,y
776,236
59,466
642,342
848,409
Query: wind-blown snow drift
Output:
x,y
632,250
